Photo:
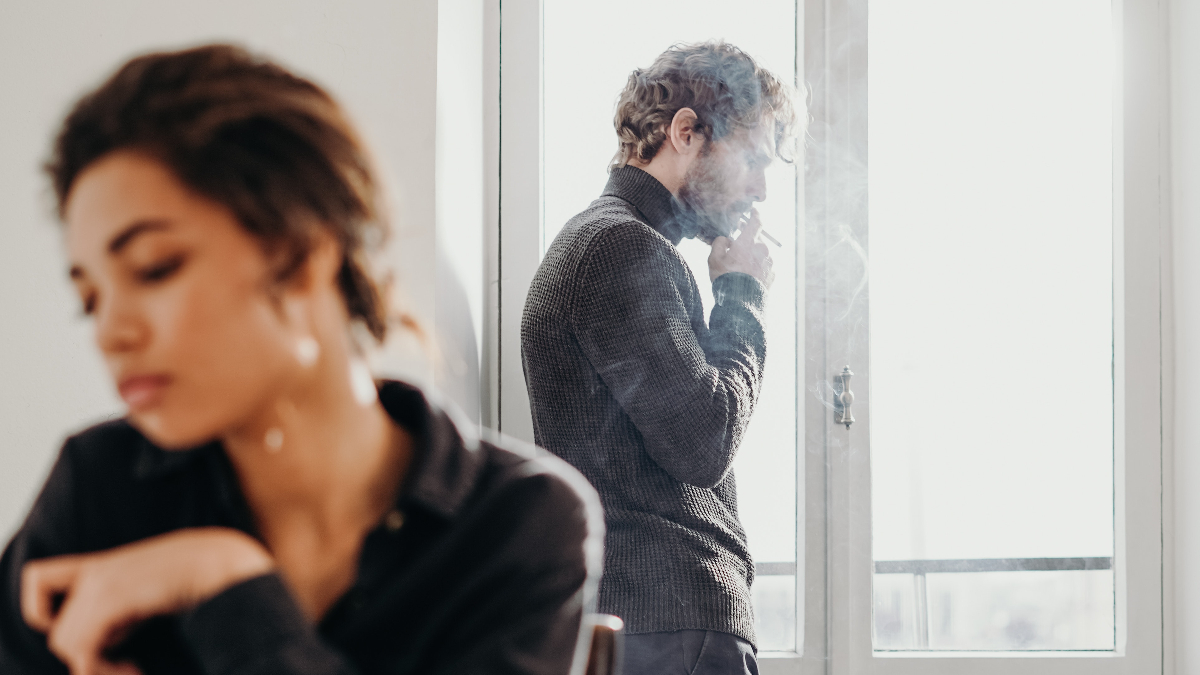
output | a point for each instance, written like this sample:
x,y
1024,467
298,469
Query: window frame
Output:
x,y
837,466
834,569
520,224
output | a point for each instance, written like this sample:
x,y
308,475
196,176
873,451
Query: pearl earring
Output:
x,y
274,439
308,350
361,383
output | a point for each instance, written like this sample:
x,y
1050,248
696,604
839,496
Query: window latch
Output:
x,y
844,398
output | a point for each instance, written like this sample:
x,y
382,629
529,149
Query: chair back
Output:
x,y
607,651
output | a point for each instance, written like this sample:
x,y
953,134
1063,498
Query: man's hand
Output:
x,y
743,254
103,594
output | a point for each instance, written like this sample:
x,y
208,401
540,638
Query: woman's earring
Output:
x,y
273,439
307,351
361,383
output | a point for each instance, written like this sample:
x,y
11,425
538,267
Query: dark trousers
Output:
x,y
688,652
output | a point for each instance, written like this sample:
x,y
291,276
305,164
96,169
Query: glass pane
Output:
x,y
895,611
589,51
1069,610
775,611
1021,610
991,353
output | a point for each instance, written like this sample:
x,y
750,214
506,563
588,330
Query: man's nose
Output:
x,y
758,187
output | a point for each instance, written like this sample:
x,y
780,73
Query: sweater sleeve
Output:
x,y
690,396
256,628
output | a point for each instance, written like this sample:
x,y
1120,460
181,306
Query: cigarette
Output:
x,y
764,233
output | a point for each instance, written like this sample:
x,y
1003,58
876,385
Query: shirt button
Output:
x,y
394,520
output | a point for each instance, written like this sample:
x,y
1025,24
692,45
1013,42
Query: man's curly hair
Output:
x,y
724,86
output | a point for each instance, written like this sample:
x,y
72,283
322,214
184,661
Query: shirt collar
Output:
x,y
153,462
447,458
651,198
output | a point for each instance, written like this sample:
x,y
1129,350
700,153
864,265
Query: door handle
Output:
x,y
844,398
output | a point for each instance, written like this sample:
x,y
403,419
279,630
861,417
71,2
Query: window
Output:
x,y
990,246
1039,319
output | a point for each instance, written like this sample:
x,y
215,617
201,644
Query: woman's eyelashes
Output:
x,y
148,275
162,270
89,304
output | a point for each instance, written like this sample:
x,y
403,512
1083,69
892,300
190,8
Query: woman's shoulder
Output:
x,y
525,463
109,486
115,452
102,454
545,512
116,435
484,479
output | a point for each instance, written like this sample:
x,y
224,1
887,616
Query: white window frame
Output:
x,y
835,570
520,225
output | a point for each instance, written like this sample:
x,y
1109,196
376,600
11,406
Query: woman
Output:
x,y
265,508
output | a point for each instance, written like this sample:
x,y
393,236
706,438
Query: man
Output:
x,y
627,383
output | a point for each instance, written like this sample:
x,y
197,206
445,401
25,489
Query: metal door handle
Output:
x,y
844,398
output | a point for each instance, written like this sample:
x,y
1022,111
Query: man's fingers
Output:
x,y
751,228
42,583
743,254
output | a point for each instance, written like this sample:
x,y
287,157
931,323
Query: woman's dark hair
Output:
x,y
272,147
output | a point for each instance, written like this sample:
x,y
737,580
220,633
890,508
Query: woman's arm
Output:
x,y
61,603
84,603
236,615
256,628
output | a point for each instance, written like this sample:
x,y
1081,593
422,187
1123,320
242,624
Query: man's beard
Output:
x,y
702,210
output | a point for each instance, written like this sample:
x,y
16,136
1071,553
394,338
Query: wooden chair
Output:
x,y
606,652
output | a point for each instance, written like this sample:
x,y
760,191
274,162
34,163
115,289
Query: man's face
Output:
x,y
726,179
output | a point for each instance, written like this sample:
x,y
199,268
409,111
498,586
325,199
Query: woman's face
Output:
x,y
180,294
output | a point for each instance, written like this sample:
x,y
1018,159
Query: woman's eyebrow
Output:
x,y
122,239
132,231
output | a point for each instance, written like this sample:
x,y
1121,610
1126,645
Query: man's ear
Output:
x,y
682,134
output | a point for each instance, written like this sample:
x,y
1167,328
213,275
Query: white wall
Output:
x,y
460,177
1185,207
378,57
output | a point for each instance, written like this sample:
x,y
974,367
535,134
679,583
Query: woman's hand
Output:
x,y
85,603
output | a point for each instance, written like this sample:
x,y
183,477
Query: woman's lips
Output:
x,y
143,391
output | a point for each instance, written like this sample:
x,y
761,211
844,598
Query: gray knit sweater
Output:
x,y
628,384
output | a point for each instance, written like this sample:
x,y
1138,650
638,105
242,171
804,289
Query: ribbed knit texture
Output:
x,y
628,384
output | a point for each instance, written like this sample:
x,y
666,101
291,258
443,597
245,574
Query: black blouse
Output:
x,y
485,565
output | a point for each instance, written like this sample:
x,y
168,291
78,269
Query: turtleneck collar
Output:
x,y
651,198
